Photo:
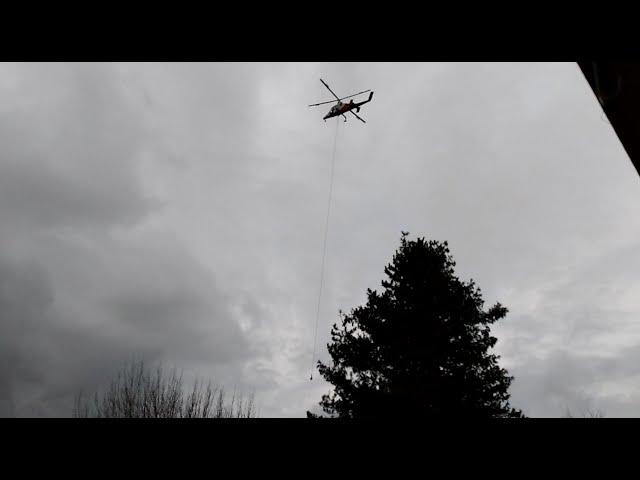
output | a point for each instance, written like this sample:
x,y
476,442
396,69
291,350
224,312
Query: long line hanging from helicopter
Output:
x,y
339,108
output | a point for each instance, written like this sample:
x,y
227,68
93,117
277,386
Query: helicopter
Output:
x,y
341,108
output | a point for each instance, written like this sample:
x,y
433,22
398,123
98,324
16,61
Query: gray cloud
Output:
x,y
86,285
65,336
70,149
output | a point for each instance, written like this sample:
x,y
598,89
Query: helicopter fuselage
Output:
x,y
341,108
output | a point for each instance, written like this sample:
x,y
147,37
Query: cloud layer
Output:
x,y
175,212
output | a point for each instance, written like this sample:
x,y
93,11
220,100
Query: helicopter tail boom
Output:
x,y
366,101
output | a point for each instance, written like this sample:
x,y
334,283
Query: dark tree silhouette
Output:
x,y
420,348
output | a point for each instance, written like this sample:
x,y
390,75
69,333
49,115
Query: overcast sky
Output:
x,y
175,212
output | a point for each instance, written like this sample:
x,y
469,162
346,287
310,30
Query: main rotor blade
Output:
x,y
356,94
322,103
357,116
329,89
333,101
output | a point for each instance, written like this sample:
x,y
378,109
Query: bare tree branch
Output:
x,y
137,392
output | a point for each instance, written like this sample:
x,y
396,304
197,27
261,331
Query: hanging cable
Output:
x,y
324,246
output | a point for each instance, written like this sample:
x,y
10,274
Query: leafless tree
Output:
x,y
137,392
588,414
